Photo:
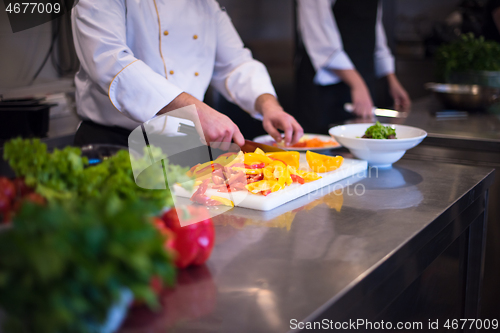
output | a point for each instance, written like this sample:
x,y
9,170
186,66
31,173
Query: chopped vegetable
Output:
x,y
379,131
224,201
323,163
193,242
288,157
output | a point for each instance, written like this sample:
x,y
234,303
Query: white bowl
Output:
x,y
378,152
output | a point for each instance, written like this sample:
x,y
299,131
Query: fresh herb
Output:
x,y
468,53
62,266
379,131
64,174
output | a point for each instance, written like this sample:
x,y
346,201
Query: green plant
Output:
x,y
467,53
62,266
64,174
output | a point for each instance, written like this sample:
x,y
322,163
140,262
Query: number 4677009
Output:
x,y
33,8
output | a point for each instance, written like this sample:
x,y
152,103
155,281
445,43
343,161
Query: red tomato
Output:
x,y
193,242
5,207
21,188
7,188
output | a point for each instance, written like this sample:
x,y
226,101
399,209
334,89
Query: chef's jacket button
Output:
x,y
171,72
165,32
195,37
196,73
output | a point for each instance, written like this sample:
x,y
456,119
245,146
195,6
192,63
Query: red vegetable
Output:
x,y
255,166
7,188
297,179
193,242
5,207
200,197
21,188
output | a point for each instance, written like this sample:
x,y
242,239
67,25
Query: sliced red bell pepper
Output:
x,y
297,179
255,166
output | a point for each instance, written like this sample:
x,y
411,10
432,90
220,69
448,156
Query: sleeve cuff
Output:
x,y
384,66
246,83
139,93
325,75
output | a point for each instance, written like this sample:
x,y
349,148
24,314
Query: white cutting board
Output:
x,y
246,199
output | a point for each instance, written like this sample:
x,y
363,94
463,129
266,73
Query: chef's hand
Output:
x,y
212,126
360,95
275,118
402,101
362,101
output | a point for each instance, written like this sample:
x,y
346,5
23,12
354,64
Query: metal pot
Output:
x,y
465,96
482,78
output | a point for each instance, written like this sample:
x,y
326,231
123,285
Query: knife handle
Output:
x,y
350,108
187,129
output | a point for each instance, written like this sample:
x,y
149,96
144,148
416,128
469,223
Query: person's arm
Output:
x,y
246,82
132,86
385,66
360,95
322,40
218,130
496,18
324,46
99,31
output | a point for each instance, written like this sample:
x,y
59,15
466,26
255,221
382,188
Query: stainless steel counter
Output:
x,y
338,254
470,140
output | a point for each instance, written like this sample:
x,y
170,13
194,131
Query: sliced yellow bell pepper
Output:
x,y
255,158
289,157
240,158
259,151
323,163
259,186
224,201
308,176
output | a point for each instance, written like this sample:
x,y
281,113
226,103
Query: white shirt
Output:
x,y
324,46
138,55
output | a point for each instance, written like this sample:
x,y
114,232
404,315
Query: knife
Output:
x,y
248,147
379,112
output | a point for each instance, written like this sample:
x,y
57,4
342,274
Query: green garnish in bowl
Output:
x,y
379,131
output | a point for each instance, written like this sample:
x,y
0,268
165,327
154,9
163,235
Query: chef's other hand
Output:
x,y
275,118
360,95
217,128
402,101
362,101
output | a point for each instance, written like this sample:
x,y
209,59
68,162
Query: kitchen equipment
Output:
x,y
97,153
465,96
378,152
23,117
379,112
248,147
245,199
481,78
268,140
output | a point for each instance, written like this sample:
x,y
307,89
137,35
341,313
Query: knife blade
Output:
x,y
379,112
248,147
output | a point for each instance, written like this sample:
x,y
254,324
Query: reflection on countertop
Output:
x,y
267,272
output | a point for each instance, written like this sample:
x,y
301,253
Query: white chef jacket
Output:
x,y
323,42
138,55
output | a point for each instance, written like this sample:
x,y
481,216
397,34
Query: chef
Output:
x,y
342,49
143,58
